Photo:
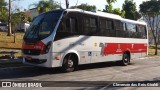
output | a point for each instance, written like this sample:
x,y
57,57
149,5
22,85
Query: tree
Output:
x,y
109,8
10,17
85,7
17,18
3,15
130,10
44,6
3,11
3,3
151,14
118,12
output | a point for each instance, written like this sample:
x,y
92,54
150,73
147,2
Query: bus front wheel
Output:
x,y
69,64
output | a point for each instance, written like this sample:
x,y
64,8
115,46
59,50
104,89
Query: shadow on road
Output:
x,y
24,72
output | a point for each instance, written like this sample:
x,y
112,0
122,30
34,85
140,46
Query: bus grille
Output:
x,y
31,52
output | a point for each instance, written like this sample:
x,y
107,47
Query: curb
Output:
x,y
148,57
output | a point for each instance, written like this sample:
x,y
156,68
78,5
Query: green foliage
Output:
x,y
109,8
85,7
150,7
137,15
3,3
3,11
111,1
29,19
3,16
130,8
44,6
118,12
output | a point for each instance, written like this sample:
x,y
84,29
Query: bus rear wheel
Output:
x,y
69,64
125,59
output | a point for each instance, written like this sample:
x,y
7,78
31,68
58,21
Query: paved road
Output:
x,y
147,69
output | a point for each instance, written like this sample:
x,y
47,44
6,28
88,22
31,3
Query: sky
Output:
x,y
100,4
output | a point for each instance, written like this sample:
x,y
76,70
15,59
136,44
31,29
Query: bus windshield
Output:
x,y
42,26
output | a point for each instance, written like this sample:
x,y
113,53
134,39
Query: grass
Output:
x,y
151,50
7,42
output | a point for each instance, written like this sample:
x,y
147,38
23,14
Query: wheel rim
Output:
x,y
70,63
126,59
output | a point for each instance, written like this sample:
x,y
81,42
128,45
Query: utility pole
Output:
x,y
9,19
67,4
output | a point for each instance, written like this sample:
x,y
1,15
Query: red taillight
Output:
x,y
27,46
38,46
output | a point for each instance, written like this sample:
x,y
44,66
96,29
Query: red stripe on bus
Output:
x,y
120,48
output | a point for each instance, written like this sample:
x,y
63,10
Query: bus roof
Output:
x,y
107,15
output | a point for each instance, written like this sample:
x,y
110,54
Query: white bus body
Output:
x,y
81,37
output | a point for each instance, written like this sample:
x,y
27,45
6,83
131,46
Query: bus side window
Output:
x,y
105,26
90,25
112,29
61,27
131,30
68,23
125,32
71,25
136,33
118,25
145,32
141,31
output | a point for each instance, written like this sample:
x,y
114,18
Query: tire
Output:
x,y
69,64
125,59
